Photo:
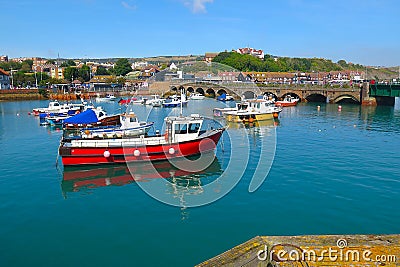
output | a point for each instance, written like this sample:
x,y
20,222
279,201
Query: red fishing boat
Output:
x,y
288,101
183,137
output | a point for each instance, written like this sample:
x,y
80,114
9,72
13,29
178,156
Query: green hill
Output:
x,y
286,64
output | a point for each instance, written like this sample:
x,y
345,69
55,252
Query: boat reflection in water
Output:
x,y
248,125
81,178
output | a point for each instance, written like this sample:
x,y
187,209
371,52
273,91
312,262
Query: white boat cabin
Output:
x,y
130,120
180,129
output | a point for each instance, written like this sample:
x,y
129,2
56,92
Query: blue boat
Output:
x,y
175,101
225,97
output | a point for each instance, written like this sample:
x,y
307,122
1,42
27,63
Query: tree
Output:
x,y
23,80
25,67
122,67
70,73
68,63
29,62
102,71
84,73
121,80
51,61
342,63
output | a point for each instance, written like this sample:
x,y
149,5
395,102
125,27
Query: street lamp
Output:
x,y
36,78
12,79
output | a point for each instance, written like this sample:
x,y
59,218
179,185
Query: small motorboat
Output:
x,y
130,126
155,101
55,108
253,110
225,97
92,117
175,101
108,97
197,97
288,101
127,101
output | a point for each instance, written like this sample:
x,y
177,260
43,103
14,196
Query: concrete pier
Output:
x,y
325,250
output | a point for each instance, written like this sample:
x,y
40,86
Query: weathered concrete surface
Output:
x,y
327,250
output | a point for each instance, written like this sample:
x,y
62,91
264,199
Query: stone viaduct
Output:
x,y
304,92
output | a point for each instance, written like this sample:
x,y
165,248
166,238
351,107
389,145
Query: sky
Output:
x,y
358,31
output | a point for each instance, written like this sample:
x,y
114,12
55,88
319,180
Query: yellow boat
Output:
x,y
257,110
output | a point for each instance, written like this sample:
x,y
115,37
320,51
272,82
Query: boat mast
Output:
x,y
181,102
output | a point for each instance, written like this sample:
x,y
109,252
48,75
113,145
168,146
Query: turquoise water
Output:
x,y
333,173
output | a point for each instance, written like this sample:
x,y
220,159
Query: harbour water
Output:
x,y
334,172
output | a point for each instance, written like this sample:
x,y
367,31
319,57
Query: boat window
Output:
x,y
258,105
180,128
133,119
101,114
194,127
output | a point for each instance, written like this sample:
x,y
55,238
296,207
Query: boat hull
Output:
x,y
122,154
285,104
174,104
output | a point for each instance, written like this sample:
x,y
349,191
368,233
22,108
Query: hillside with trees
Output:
x,y
282,64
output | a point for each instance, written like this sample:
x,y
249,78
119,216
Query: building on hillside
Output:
x,y
270,77
139,65
173,66
251,51
148,72
3,58
229,76
312,78
56,72
4,79
208,57
38,62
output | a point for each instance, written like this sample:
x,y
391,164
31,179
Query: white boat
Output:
x,y
130,126
225,97
252,111
288,101
197,97
155,101
175,101
55,108
108,97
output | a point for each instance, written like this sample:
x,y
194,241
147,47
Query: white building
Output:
x,y
173,66
139,65
251,51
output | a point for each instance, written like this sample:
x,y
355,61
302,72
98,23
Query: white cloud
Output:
x,y
197,6
128,6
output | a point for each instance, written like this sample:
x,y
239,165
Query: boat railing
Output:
x,y
141,141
